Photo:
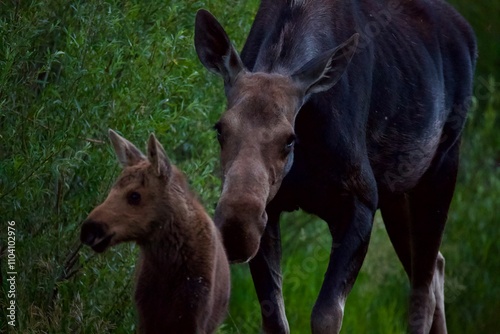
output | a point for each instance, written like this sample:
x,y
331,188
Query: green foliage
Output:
x,y
483,16
68,72
71,70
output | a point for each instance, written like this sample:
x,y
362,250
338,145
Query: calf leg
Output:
x,y
266,274
429,204
350,243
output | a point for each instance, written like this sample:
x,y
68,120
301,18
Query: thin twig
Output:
x,y
69,263
95,141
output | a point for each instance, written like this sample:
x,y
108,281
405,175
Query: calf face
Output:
x,y
130,212
256,132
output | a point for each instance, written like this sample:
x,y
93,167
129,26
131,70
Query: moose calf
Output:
x,y
182,274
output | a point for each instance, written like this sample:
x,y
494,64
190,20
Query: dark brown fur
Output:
x,y
340,108
182,274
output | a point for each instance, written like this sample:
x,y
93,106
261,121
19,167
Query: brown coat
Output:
x,y
183,282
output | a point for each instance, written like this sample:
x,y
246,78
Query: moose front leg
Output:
x,y
351,230
266,274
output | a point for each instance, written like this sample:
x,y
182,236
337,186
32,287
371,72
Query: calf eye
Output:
x,y
134,198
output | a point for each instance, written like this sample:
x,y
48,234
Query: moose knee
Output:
x,y
326,319
274,318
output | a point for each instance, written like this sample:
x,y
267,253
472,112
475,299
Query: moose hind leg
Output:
x,y
439,321
429,204
436,298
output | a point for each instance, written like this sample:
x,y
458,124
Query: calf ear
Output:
x,y
214,48
322,72
127,153
158,157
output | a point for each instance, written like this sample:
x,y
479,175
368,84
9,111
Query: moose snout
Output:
x,y
242,223
94,234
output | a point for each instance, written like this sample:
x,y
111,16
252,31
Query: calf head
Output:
x,y
135,204
256,132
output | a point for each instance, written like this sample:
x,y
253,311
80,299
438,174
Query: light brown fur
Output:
x,y
182,274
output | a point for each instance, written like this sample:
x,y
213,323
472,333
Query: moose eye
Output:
x,y
134,198
289,143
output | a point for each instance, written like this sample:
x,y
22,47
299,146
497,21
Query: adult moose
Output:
x,y
342,107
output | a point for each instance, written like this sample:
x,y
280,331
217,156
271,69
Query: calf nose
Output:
x,y
91,231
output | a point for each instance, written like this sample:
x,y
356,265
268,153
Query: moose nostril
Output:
x,y
90,232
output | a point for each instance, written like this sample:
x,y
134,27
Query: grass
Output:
x,y
71,70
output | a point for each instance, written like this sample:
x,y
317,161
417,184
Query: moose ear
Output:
x,y
322,72
214,48
158,158
127,153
